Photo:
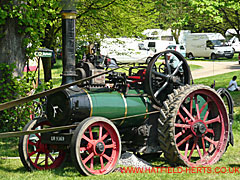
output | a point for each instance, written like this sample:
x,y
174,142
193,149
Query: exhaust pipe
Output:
x,y
68,45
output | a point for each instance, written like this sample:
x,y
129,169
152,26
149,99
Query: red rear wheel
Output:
x,y
36,155
95,146
198,127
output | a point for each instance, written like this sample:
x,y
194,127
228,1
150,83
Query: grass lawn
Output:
x,y
222,80
13,168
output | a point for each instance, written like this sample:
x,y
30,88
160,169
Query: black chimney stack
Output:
x,y
68,45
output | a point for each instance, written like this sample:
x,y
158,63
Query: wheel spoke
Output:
x,y
179,134
205,104
37,157
83,149
46,160
199,152
191,104
32,153
106,157
100,131
182,125
186,149
92,162
50,156
184,140
42,161
197,107
215,143
167,64
104,136
32,143
101,161
88,158
203,146
90,132
158,91
86,138
177,69
206,115
193,147
217,119
110,146
211,131
187,112
181,116
163,76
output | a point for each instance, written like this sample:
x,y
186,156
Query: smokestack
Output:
x,y
68,45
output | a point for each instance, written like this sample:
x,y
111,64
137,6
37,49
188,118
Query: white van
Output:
x,y
125,50
207,45
235,43
157,39
233,40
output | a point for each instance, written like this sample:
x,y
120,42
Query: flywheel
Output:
x,y
166,71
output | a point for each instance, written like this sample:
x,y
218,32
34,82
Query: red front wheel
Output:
x,y
95,146
34,154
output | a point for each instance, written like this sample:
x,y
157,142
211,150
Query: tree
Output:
x,y
28,24
22,27
11,50
224,13
173,14
197,15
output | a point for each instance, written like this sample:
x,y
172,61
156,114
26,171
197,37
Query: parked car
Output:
x,y
179,48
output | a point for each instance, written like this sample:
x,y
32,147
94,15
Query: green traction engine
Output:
x,y
148,109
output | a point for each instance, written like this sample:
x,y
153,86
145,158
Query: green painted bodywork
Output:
x,y
115,105
201,102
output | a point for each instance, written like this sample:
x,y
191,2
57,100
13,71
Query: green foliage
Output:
x,y
218,15
32,17
112,18
12,88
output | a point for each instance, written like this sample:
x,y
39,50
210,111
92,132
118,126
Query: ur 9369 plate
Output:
x,y
53,138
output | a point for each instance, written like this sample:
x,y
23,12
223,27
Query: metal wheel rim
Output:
x,y
219,123
91,152
39,148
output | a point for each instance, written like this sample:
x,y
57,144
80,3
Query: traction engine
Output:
x,y
148,109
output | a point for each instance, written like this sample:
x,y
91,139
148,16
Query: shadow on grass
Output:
x,y
155,160
235,67
10,170
9,147
66,171
234,165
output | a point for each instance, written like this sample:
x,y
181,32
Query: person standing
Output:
x,y
233,85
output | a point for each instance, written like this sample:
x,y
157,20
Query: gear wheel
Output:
x,y
193,126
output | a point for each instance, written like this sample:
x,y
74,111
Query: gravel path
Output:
x,y
129,159
213,68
